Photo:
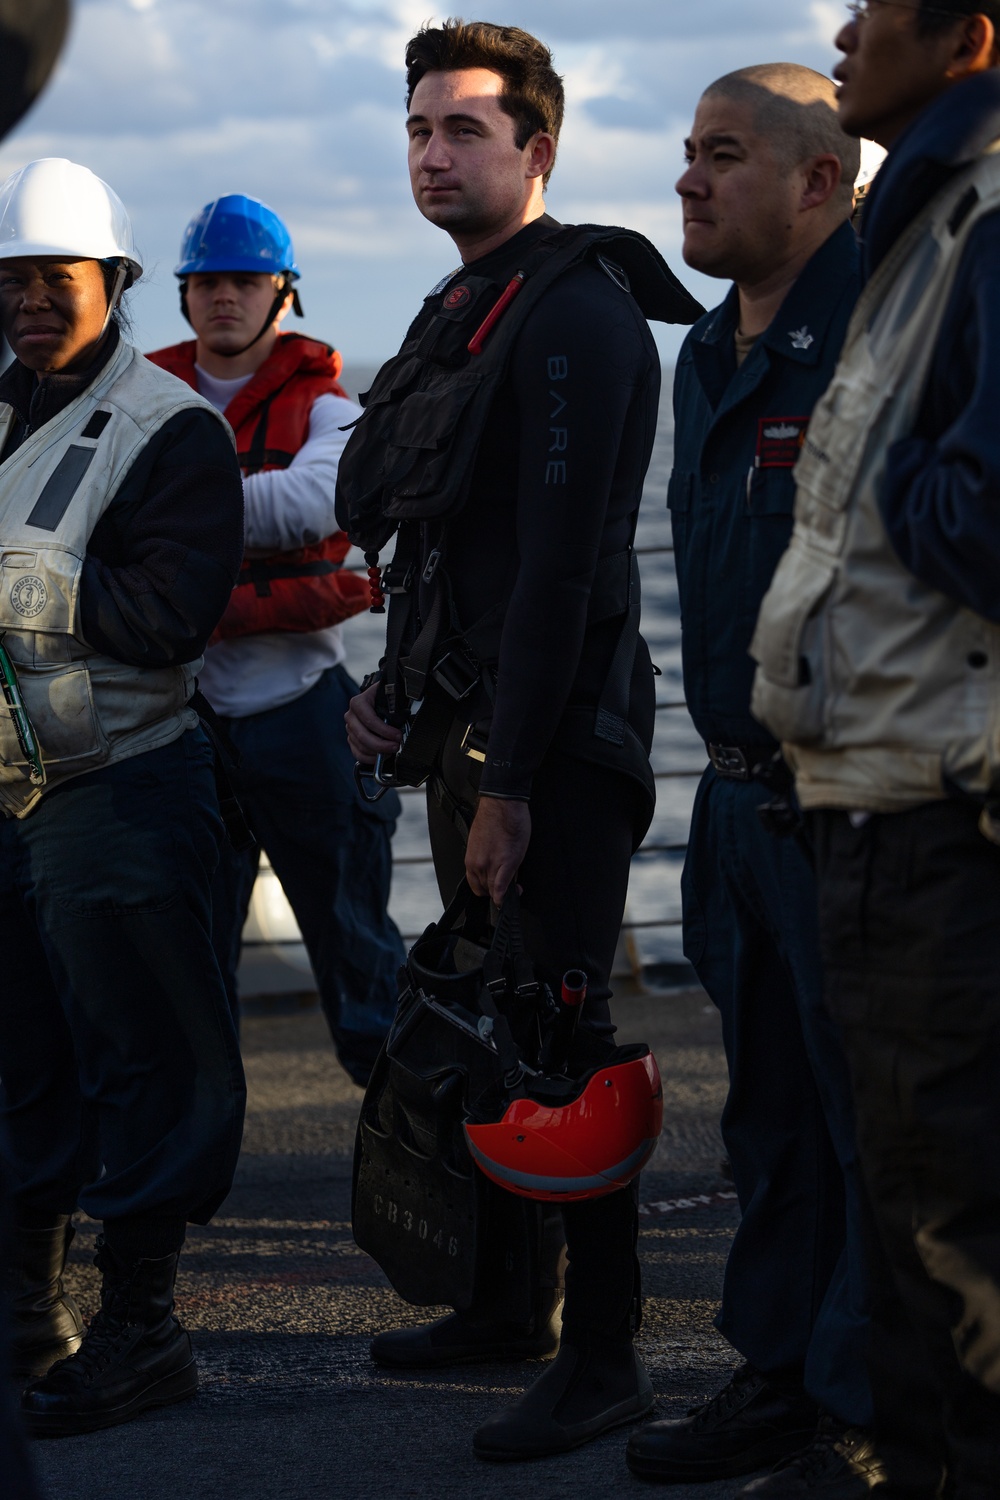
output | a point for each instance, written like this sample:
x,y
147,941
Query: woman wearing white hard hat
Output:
x,y
120,539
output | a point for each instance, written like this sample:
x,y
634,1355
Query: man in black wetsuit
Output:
x,y
553,499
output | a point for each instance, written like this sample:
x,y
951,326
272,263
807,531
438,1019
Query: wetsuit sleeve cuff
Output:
x,y
505,782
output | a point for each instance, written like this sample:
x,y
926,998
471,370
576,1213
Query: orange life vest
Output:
x,y
304,589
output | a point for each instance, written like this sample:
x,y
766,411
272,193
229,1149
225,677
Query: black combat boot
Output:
x,y
135,1355
45,1322
750,1423
841,1463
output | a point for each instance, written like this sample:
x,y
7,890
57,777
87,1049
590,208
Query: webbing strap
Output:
x,y
417,665
506,947
459,814
400,611
416,758
256,456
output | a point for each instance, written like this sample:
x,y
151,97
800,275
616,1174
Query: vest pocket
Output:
x,y
422,436
789,692
60,704
38,590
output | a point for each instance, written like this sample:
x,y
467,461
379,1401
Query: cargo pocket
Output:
x,y
60,704
421,441
38,590
789,692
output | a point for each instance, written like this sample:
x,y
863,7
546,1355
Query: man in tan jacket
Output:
x,y
879,653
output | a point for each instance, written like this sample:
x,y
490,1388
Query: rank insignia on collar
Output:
x,y
801,337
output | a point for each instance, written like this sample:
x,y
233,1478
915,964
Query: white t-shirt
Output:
x,y
283,509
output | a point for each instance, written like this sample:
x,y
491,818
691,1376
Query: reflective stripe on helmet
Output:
x,y
608,1180
590,1145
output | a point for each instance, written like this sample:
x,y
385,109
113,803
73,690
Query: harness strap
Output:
x,y
417,665
506,950
429,728
397,583
457,812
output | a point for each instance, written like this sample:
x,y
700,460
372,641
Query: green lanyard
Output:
x,y
22,724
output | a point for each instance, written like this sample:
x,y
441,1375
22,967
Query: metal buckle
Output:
x,y
456,674
396,580
474,744
729,761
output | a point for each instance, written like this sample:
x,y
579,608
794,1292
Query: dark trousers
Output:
x,y
18,1481
909,907
123,1089
332,853
794,1299
586,822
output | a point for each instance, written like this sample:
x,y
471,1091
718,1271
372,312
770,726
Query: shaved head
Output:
x,y
795,109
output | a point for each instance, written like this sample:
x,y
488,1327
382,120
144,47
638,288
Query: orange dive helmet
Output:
x,y
583,1147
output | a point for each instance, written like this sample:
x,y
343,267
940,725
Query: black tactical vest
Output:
x,y
412,454
408,466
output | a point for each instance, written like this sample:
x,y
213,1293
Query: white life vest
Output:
x,y
87,709
882,690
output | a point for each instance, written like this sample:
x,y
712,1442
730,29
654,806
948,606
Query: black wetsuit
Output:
x,y
556,486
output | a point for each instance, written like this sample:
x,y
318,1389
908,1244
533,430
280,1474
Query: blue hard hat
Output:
x,y
237,233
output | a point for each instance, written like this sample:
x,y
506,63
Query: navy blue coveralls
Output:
x,y
793,1298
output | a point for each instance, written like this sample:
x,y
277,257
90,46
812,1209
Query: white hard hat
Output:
x,y
55,207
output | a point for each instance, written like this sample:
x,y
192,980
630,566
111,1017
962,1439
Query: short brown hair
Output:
x,y
532,92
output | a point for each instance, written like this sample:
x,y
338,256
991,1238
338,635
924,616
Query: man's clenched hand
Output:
x,y
367,734
498,842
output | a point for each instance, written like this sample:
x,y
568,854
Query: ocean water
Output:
x,y
653,911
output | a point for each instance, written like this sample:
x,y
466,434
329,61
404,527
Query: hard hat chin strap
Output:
x,y
285,286
117,288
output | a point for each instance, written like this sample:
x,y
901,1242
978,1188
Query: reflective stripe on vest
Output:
x,y
87,709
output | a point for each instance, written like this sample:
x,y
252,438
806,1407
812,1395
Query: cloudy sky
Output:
x,y
300,102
